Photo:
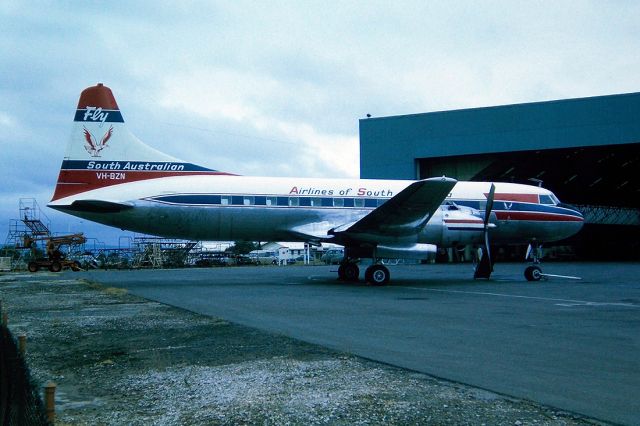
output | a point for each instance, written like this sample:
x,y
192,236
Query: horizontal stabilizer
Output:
x,y
97,206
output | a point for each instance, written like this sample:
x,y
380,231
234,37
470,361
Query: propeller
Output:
x,y
485,266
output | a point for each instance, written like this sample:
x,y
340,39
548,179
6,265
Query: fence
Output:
x,y
20,402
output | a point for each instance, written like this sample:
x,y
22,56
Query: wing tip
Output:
x,y
442,178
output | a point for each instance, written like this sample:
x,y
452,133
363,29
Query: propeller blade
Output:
x,y
486,243
487,212
485,266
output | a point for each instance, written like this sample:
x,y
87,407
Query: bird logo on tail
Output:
x,y
92,146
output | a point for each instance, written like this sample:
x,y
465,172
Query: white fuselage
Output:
x,y
226,208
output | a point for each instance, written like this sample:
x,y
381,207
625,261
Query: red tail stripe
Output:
x,y
72,182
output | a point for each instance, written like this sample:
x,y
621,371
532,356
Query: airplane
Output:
x,y
111,177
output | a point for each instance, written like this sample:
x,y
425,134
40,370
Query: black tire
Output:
x,y
341,276
274,262
377,275
33,267
533,273
55,266
351,272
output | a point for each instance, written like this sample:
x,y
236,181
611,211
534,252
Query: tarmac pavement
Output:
x,y
570,344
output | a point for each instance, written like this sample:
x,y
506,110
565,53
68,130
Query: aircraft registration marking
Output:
x,y
111,176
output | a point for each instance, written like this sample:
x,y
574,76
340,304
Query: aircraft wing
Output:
x,y
407,212
316,232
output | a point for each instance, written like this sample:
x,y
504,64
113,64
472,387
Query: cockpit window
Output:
x,y
449,205
548,199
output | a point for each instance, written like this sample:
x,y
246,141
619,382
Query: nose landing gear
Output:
x,y
534,272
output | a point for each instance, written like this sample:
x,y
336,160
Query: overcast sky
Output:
x,y
277,88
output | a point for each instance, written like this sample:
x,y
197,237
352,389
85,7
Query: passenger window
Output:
x,y
294,201
358,202
225,200
338,202
247,200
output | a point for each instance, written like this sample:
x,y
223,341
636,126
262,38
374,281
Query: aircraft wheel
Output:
x,y
33,267
341,276
533,273
55,266
350,272
377,275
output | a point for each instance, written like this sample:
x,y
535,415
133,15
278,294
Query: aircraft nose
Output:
x,y
573,209
577,218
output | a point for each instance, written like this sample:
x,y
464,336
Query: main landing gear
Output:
x,y
376,274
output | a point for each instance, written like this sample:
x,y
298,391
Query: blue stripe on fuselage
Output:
x,y
197,200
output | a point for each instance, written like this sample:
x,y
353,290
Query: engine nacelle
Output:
x,y
454,226
414,251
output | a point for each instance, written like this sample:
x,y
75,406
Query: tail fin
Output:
x,y
102,151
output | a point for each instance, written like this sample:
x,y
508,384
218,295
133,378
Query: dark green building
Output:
x,y
586,150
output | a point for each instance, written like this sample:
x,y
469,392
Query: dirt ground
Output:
x,y
119,359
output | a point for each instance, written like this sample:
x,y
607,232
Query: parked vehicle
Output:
x,y
333,256
264,257
241,260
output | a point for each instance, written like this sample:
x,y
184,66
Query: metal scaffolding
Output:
x,y
32,223
156,252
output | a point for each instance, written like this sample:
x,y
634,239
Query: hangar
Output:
x,y
585,150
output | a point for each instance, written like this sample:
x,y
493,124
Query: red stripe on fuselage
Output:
x,y
537,216
72,182
462,221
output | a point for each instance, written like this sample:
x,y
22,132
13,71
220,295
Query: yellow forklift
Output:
x,y
55,260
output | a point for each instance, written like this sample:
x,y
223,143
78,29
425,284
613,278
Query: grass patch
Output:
x,y
111,291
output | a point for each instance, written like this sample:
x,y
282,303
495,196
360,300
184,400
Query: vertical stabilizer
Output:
x,y
103,152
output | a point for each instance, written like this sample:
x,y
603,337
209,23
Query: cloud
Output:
x,y
277,88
